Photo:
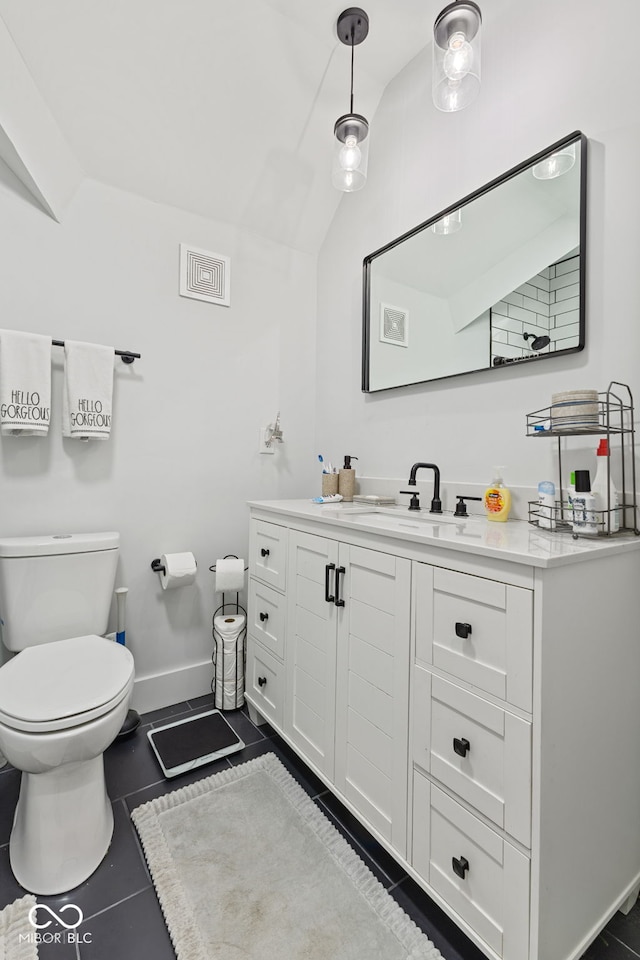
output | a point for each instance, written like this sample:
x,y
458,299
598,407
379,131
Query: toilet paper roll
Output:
x,y
229,628
229,662
229,574
179,570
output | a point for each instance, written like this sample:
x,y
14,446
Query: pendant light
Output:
x,y
456,55
351,131
450,223
556,164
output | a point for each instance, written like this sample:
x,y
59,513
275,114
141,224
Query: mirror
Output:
x,y
493,281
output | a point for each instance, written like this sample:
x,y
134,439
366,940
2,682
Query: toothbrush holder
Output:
x,y
329,484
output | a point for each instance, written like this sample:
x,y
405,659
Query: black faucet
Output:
x,y
436,503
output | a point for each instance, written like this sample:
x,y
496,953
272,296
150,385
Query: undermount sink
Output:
x,y
393,517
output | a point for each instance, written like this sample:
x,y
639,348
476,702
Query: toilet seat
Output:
x,y
63,684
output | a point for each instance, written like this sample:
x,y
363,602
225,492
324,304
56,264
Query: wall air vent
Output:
x,y
205,275
394,325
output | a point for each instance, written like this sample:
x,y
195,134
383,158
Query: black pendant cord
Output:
x,y
352,52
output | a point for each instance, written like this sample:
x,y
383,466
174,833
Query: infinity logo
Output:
x,y
47,923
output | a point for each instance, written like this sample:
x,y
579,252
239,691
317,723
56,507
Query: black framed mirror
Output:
x,y
494,280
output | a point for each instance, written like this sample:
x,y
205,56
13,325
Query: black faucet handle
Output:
x,y
414,503
461,507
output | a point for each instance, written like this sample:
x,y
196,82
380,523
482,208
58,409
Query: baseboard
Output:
x,y
173,686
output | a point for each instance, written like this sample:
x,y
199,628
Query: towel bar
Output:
x,y
127,355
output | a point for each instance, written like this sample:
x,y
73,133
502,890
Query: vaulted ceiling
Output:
x,y
222,108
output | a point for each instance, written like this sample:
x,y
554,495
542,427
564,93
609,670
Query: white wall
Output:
x,y
429,322
183,455
538,86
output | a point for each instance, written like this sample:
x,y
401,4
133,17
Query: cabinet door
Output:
x,y
372,688
311,648
476,749
268,553
264,682
478,630
480,875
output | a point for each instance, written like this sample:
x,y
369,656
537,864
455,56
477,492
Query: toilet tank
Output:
x,y
56,587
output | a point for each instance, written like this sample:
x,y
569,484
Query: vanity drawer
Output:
x,y
264,682
476,749
478,630
268,553
267,616
478,873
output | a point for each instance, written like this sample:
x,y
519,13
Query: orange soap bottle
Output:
x,y
497,498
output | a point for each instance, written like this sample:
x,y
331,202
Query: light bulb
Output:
x,y
350,155
450,223
556,164
458,59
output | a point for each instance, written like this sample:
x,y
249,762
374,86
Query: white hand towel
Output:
x,y
25,383
88,390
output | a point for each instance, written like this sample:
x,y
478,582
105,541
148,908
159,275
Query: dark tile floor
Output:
x,y
121,914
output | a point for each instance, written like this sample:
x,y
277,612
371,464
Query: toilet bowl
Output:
x,y
61,705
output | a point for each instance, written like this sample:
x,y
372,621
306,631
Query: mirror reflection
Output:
x,y
494,280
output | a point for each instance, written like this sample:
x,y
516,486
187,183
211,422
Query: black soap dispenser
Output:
x,y
347,479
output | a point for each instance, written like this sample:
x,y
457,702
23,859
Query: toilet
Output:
x,y
64,695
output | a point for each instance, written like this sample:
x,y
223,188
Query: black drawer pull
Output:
x,y
262,681
338,601
263,616
264,552
463,630
460,866
328,567
461,746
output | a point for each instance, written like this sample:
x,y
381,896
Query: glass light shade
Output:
x,y
456,56
555,165
351,153
450,223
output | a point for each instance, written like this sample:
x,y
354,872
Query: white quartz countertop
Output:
x,y
514,540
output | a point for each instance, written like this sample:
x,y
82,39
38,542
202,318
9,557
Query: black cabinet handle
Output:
x,y
264,552
328,567
263,616
338,602
463,630
460,866
461,746
262,681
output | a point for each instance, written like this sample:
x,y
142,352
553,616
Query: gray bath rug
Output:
x,y
16,933
246,867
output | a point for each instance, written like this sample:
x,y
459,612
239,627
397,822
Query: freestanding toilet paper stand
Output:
x,y
228,661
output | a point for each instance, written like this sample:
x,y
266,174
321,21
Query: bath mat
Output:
x,y
186,744
246,867
16,932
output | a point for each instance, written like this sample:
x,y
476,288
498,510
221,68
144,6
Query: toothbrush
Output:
x,y
321,459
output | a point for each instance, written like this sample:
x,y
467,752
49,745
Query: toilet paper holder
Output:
x,y
218,656
158,566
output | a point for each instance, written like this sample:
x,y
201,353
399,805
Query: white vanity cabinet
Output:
x,y
472,698
346,690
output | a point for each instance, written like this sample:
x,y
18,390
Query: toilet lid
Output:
x,y
64,678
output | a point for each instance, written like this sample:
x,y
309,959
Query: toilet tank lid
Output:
x,y
58,544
